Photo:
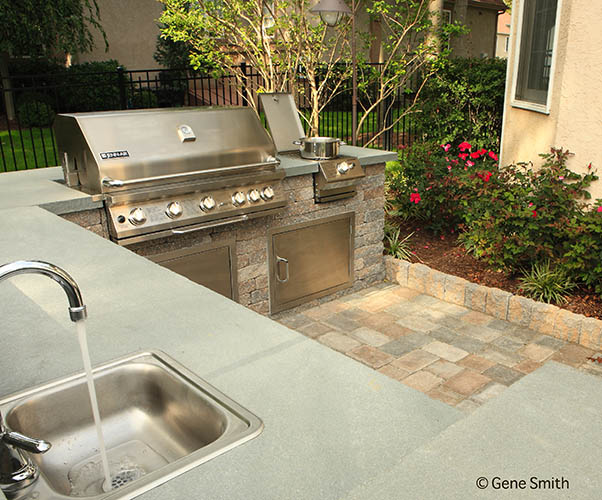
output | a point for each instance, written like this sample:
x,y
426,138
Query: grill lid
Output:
x,y
118,150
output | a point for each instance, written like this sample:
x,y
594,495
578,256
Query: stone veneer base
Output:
x,y
537,316
251,243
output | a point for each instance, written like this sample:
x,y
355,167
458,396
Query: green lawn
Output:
x,y
25,142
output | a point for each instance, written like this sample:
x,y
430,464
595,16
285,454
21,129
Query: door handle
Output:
x,y
278,261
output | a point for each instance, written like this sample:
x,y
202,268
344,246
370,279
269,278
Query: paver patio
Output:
x,y
461,357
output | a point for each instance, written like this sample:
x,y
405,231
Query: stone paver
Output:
x,y
466,382
385,323
415,360
417,323
370,356
527,366
503,375
477,318
476,363
341,322
573,355
490,391
460,357
422,381
508,343
536,352
314,329
444,369
393,372
445,351
338,341
370,337
445,395
406,344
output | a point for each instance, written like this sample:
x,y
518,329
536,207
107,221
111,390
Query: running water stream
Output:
x,y
83,344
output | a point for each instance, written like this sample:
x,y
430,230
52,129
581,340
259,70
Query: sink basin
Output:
x,y
159,420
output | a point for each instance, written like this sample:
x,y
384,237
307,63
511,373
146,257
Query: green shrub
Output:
x,y
399,248
464,100
143,98
510,217
582,257
35,113
546,284
522,215
434,183
92,86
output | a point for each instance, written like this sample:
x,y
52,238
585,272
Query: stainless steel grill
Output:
x,y
172,171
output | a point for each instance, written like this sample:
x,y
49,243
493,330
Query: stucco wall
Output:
x,y
131,30
483,29
575,118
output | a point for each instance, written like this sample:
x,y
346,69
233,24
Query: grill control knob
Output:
x,y
254,196
238,198
267,193
207,204
137,216
173,210
343,167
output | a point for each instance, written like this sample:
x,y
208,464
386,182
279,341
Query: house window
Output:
x,y
538,28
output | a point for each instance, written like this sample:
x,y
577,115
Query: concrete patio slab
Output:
x,y
546,427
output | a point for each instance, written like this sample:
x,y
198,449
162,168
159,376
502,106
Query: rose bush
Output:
x,y
511,216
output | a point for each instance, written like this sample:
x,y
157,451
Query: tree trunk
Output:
x,y
459,42
8,96
436,13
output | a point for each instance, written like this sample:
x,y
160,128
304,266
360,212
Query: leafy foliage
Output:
x,y
92,86
35,113
40,27
512,217
546,284
464,100
399,248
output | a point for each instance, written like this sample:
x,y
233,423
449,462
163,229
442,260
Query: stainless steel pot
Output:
x,y
319,148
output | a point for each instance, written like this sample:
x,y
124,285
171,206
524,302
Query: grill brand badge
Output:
x,y
114,154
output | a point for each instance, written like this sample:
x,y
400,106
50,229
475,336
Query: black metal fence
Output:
x,y
27,140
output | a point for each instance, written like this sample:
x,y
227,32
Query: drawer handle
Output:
x,y
278,261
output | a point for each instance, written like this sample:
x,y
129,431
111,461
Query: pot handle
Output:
x,y
297,143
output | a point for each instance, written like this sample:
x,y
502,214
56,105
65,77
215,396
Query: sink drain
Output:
x,y
123,477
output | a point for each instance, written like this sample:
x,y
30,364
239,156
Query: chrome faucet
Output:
x,y
17,471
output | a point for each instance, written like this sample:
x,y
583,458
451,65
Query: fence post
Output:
x,y
121,82
243,69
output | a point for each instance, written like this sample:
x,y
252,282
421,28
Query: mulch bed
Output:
x,y
445,254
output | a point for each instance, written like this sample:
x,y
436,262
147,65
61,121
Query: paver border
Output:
x,y
540,317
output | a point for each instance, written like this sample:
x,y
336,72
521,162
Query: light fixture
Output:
x,y
331,11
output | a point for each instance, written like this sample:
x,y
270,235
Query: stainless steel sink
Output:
x,y
159,420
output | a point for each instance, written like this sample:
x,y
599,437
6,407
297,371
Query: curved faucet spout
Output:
x,y
77,309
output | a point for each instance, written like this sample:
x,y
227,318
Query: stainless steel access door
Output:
x,y
310,260
213,266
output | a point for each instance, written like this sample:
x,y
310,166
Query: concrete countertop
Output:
x,y
45,187
42,187
293,164
331,424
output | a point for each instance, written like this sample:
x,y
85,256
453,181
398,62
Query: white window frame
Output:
x,y
532,106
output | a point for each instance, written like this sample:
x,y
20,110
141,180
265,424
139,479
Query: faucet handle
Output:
x,y
25,443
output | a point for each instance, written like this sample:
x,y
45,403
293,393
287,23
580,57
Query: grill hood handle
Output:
x,y
108,182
